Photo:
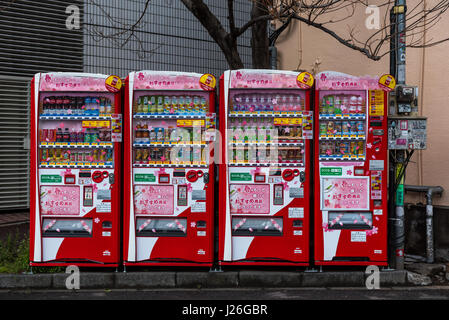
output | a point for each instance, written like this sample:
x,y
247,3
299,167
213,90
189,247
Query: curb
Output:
x,y
196,280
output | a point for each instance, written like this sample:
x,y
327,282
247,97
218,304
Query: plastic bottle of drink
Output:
x,y
246,104
337,103
59,135
353,105
360,106
73,135
141,104
345,104
284,103
204,105
236,103
254,105
181,105
298,105
167,104
238,132
291,103
188,105
194,104
269,103
45,105
151,104
276,103
250,131
174,105
102,106
323,107
330,104
160,105
87,106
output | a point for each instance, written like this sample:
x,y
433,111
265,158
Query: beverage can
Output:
x,y
360,127
361,148
323,128
345,127
353,127
330,104
343,148
338,127
330,127
353,147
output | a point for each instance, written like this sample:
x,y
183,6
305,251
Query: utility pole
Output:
x,y
398,162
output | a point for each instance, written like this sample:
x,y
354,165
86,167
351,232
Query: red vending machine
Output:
x,y
264,176
75,170
350,170
169,172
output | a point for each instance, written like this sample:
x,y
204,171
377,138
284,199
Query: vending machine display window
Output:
x,y
249,226
350,220
156,227
342,124
67,227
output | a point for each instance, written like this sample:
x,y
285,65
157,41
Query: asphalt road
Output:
x,y
281,294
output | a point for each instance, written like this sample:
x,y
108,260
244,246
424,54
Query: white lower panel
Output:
x,y
144,247
240,246
50,248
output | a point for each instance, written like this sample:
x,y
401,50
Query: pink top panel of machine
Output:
x,y
73,82
165,80
247,78
331,80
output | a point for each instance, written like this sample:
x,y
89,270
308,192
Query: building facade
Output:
x,y
92,36
305,47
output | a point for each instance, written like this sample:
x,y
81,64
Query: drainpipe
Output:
x,y
430,191
273,57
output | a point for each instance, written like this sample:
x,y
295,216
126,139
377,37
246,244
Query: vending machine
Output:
x,y
75,150
351,141
169,172
264,176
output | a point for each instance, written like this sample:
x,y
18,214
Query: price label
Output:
x,y
96,124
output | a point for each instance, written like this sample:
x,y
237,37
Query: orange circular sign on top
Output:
x,y
113,83
388,82
208,82
305,80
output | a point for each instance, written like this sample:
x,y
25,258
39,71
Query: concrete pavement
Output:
x,y
202,279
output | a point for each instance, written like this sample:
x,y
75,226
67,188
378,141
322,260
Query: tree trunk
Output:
x,y
259,37
225,41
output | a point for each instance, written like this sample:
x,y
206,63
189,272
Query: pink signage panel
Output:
x,y
149,199
60,200
345,193
330,80
166,81
246,198
263,79
70,82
